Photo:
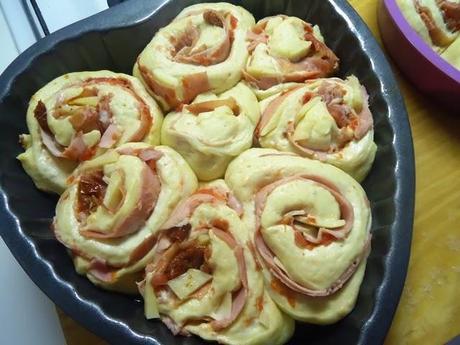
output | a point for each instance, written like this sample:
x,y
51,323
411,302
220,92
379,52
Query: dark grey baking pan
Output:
x,y
112,40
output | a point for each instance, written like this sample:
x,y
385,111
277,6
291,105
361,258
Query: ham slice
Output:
x,y
262,83
40,114
206,106
437,35
110,136
185,209
146,154
181,214
254,39
53,147
451,13
341,232
174,327
77,150
366,121
167,93
149,154
102,271
234,203
280,274
257,35
85,120
194,84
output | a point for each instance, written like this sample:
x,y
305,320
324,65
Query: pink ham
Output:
x,y
167,93
181,214
50,143
100,270
150,154
234,203
254,39
110,136
77,150
194,84
262,83
146,154
365,122
185,209
174,327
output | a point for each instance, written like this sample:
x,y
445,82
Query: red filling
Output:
x,y
91,191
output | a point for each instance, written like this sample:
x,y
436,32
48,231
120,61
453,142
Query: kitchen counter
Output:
x,y
429,310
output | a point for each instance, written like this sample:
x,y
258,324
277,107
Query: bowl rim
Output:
x,y
134,12
418,43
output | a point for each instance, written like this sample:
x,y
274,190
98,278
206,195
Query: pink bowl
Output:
x,y
430,73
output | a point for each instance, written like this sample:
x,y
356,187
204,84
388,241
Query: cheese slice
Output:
x,y
187,283
150,300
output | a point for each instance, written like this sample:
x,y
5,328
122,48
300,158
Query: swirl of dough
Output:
x,y
202,49
213,130
110,214
310,223
80,115
205,281
436,21
285,49
324,119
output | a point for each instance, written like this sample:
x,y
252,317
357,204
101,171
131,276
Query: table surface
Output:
x,y
429,310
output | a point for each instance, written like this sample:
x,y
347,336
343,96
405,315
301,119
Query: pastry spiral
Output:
x,y
436,21
110,214
202,49
80,115
213,130
286,49
324,119
310,223
204,280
